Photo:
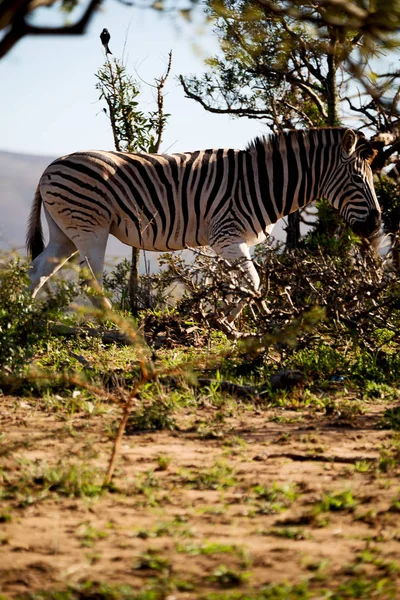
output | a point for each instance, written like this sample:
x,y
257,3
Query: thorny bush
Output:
x,y
314,296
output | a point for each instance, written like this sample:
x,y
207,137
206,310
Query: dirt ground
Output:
x,y
263,497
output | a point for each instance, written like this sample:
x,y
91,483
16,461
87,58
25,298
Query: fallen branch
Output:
x,y
322,458
107,336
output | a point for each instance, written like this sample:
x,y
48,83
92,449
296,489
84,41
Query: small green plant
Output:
x,y
363,466
153,561
219,476
226,577
209,548
395,507
147,481
39,481
344,410
163,462
318,568
276,491
275,498
89,535
5,517
92,590
289,533
363,586
336,502
389,459
390,419
173,528
151,416
380,390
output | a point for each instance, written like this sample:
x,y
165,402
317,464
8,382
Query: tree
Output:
x,y
377,19
133,130
276,67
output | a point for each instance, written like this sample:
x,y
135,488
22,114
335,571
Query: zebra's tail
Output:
x,y
34,234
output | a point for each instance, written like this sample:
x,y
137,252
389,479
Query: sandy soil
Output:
x,y
245,499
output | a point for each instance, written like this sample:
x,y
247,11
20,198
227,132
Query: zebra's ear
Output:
x,y
349,141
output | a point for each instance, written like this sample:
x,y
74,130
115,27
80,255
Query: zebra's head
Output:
x,y
350,187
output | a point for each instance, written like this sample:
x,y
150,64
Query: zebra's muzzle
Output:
x,y
370,226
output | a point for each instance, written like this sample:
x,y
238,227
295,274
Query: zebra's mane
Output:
x,y
262,143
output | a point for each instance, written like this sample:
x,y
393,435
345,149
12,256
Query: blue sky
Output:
x,y
49,104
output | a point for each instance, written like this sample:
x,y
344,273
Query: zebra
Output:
x,y
225,198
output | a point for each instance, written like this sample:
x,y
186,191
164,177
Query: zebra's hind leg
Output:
x,y
238,254
59,250
91,260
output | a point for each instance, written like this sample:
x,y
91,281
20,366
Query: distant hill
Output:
x,y
19,177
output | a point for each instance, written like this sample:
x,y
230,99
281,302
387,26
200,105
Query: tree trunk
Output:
x,y
134,282
331,80
396,252
293,231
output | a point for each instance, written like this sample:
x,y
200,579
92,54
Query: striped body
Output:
x,y
228,199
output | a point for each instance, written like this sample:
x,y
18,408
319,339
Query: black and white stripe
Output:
x,y
228,199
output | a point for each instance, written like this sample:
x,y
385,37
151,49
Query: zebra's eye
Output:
x,y
358,178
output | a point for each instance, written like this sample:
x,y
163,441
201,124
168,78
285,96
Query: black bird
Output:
x,y
105,38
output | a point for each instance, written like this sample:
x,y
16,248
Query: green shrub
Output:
x,y
24,321
322,362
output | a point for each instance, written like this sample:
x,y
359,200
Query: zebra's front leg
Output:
x,y
238,255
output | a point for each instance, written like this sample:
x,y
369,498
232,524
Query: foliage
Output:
x,y
274,66
377,20
329,233
225,577
260,72
24,322
133,129
387,192
218,476
391,419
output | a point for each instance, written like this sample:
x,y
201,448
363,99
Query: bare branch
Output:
x,y
160,103
20,27
251,113
299,112
307,88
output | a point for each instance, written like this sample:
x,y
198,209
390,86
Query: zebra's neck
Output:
x,y
291,168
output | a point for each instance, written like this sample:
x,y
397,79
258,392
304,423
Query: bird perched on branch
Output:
x,y
105,38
